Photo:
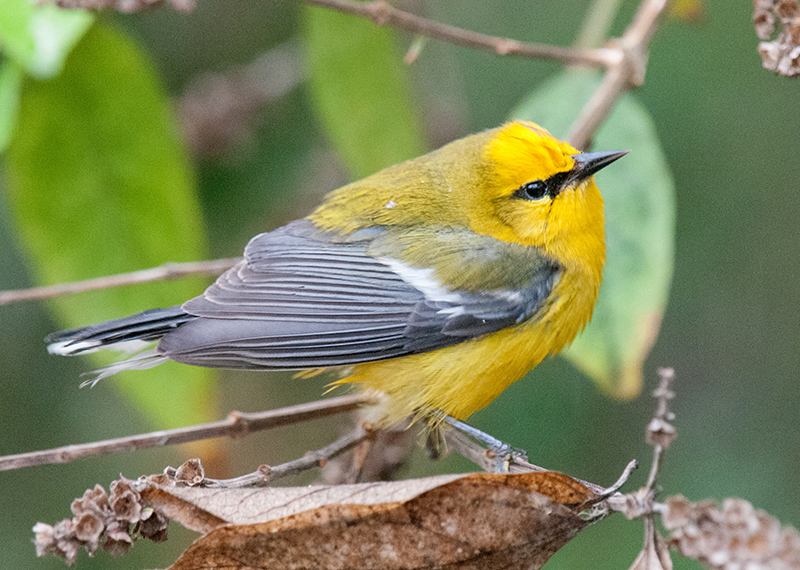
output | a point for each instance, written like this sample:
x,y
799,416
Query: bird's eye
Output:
x,y
532,190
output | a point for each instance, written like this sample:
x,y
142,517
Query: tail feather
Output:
x,y
141,361
122,333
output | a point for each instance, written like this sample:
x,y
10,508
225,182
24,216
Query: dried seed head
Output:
x,y
88,527
125,502
782,54
103,520
735,536
153,525
190,473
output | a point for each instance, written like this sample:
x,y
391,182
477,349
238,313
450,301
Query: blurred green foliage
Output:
x,y
729,131
39,38
98,182
371,122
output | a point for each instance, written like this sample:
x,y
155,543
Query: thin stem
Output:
x,y
626,73
237,424
597,23
161,273
383,14
265,474
660,432
598,108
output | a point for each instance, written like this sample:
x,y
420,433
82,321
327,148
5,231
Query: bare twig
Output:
x,y
265,474
660,432
237,424
625,73
126,6
625,59
162,273
383,14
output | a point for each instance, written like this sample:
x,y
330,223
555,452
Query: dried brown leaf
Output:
x,y
482,520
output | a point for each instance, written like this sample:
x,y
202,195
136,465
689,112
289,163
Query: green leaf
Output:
x,y
640,226
39,38
10,84
99,183
360,90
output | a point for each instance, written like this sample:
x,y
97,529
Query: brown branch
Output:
x,y
237,424
381,13
660,432
627,72
625,59
126,6
266,474
161,273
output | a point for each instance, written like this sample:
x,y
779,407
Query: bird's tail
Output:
x,y
128,334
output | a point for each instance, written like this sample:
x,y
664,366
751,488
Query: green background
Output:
x,y
731,134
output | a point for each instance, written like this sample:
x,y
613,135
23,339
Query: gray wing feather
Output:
x,y
301,300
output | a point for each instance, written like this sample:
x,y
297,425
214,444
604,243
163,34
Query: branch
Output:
x,y
237,424
660,432
381,13
161,273
127,6
625,59
627,72
191,472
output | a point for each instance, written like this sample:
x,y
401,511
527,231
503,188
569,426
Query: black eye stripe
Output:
x,y
538,189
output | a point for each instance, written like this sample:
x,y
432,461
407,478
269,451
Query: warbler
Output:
x,y
438,281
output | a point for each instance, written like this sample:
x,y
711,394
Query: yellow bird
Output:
x,y
438,281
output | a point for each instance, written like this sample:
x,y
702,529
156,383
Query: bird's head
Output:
x,y
539,191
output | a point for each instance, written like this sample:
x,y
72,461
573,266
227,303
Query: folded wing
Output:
x,y
302,299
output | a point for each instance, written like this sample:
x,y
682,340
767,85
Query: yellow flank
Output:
x,y
466,377
472,183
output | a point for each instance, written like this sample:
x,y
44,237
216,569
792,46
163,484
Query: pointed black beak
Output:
x,y
587,163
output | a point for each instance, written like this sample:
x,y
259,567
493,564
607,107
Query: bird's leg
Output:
x,y
504,453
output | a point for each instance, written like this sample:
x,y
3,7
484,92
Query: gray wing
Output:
x,y
302,300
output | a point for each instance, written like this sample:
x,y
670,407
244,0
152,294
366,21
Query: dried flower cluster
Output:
x,y
127,6
781,55
735,537
101,519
